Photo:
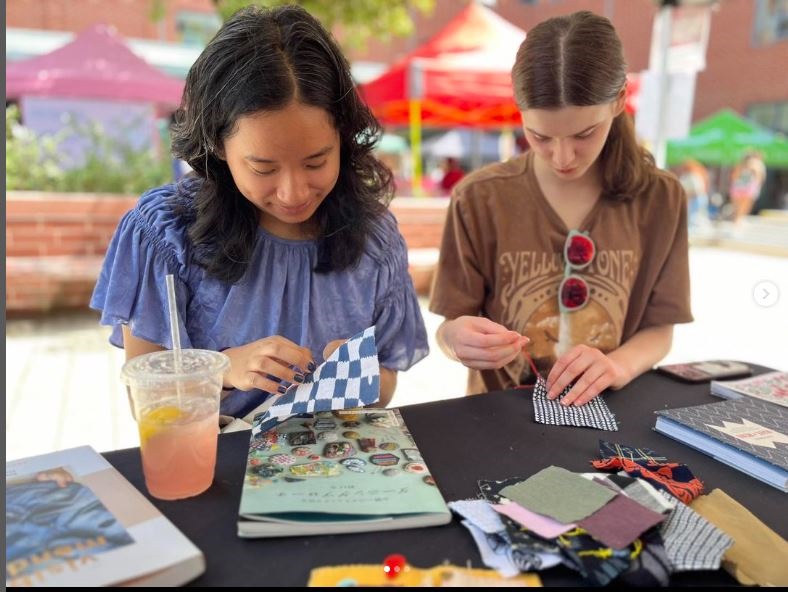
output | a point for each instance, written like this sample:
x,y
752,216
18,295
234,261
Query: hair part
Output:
x,y
577,61
262,60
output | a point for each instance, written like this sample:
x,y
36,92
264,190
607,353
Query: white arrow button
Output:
x,y
766,293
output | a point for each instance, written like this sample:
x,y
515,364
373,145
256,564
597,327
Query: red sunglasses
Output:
x,y
579,251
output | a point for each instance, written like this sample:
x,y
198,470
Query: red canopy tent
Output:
x,y
97,64
462,76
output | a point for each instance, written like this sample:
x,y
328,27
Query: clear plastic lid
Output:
x,y
159,367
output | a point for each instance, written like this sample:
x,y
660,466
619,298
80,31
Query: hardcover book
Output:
x,y
73,520
748,434
771,387
340,471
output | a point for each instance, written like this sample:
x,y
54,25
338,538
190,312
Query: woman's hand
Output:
x,y
269,364
331,347
592,370
480,343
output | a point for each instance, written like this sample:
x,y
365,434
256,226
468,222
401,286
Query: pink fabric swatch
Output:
x,y
544,526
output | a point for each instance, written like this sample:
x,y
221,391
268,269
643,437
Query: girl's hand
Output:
x,y
331,347
593,370
271,364
480,343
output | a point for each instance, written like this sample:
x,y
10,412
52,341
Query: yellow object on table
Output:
x,y
439,576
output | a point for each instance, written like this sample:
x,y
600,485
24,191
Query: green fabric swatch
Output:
x,y
560,494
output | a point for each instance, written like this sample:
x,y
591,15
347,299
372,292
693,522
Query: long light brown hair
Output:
x,y
577,60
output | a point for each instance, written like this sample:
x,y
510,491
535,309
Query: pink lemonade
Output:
x,y
178,450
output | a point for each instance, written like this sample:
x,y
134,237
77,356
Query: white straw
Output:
x,y
174,330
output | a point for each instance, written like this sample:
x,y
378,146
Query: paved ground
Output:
x,y
63,388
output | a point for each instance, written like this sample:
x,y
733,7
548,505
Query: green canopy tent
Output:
x,y
722,139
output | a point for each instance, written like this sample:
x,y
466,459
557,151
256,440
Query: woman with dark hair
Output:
x,y
280,242
576,252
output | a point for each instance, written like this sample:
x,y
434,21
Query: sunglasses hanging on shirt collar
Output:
x,y
579,252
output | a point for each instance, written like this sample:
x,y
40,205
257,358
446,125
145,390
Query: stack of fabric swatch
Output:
x,y
629,526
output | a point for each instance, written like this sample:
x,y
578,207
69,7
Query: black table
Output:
x,y
491,436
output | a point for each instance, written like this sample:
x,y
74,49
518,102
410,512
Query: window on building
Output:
x,y
771,115
771,21
197,28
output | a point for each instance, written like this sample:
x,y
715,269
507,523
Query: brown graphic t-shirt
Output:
x,y
502,258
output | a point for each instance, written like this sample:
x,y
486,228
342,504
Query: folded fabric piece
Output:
x,y
674,478
594,414
542,525
758,555
620,522
638,455
559,494
691,542
637,489
494,553
349,378
480,513
596,563
519,537
651,567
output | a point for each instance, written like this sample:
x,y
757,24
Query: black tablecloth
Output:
x,y
491,436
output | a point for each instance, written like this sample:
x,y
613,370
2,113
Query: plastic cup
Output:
x,y
178,418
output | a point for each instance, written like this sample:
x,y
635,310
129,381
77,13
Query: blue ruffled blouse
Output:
x,y
280,294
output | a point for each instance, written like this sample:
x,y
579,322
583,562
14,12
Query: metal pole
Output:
x,y
663,84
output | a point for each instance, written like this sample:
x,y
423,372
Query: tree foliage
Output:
x,y
109,164
355,20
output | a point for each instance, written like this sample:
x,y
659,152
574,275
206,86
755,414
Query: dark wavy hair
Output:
x,y
577,60
261,60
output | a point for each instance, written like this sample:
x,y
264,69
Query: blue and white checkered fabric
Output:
x,y
349,378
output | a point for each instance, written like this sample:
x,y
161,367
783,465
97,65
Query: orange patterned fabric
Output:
x,y
675,478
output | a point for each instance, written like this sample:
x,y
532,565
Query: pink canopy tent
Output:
x,y
97,64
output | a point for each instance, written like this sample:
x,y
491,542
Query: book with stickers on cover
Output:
x,y
747,434
771,387
330,472
73,520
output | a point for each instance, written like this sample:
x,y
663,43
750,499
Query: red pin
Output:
x,y
394,564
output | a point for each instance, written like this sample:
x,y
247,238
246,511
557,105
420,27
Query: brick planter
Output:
x,y
55,244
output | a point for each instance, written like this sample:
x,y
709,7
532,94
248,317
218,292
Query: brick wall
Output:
x,y
55,244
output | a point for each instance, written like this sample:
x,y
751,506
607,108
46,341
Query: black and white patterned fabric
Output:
x,y
349,378
594,414
692,542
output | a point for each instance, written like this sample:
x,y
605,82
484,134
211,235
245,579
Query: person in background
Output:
x,y
694,178
576,252
280,242
452,173
747,179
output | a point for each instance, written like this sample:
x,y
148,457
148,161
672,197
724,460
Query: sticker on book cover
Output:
x,y
751,433
384,460
338,450
385,419
355,464
323,468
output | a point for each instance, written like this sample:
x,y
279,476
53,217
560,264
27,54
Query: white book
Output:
x,y
771,387
73,520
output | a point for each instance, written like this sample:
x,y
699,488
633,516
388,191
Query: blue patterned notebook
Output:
x,y
748,434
